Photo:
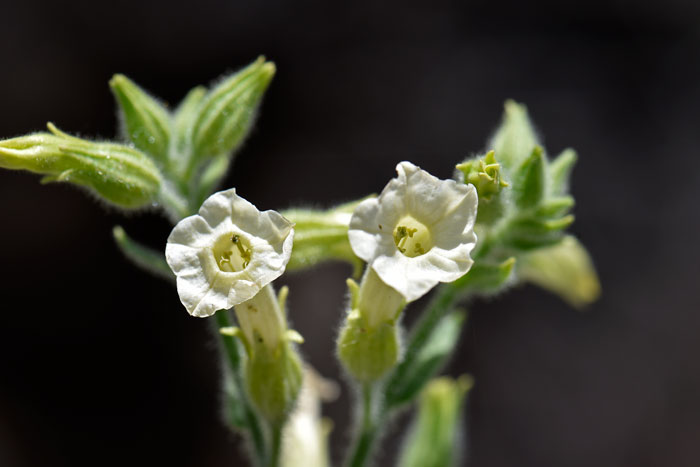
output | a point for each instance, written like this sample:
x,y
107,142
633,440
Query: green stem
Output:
x,y
275,445
365,440
234,360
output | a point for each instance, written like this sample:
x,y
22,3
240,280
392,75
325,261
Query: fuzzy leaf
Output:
x,y
414,372
142,256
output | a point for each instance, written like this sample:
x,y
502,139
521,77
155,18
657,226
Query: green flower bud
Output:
x,y
225,115
119,174
433,439
485,174
321,236
274,379
565,269
183,119
305,437
368,353
273,369
145,121
369,343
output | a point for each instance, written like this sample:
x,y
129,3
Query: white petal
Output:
x,y
192,231
217,208
428,198
203,287
445,207
457,226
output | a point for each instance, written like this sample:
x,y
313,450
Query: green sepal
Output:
x,y
368,353
529,234
142,256
486,278
321,236
515,138
227,112
565,269
529,181
120,175
560,171
145,121
412,374
433,440
274,378
555,207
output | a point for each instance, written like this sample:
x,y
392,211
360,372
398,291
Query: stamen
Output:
x,y
245,253
400,236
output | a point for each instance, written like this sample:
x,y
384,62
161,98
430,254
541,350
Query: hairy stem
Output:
x,y
233,357
365,440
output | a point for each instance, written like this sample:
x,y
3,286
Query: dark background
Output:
x,y
101,365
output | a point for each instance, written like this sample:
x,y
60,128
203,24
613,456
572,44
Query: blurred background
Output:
x,y
99,362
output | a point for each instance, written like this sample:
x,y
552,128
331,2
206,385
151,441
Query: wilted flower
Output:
x,y
227,253
418,232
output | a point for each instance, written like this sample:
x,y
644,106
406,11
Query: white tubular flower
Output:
x,y
227,253
418,232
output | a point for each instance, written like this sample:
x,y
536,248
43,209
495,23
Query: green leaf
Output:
x,y
226,114
420,366
560,171
234,412
142,256
529,180
433,438
146,123
555,207
119,174
515,138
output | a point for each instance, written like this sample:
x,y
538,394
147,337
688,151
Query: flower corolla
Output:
x,y
418,232
227,253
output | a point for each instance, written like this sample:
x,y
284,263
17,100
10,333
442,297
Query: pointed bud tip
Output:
x,y
118,233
